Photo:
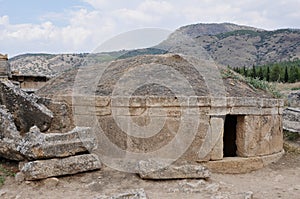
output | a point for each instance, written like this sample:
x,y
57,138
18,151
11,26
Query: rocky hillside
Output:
x,y
227,44
44,64
238,46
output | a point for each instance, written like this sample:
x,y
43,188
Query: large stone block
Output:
x,y
213,141
62,115
9,136
291,119
41,169
37,145
156,170
26,111
259,135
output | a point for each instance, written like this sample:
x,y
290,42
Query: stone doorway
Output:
x,y
229,137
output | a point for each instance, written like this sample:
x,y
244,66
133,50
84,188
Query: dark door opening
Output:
x,y
229,137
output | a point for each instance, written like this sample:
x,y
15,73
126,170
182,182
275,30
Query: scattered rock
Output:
x,y
190,186
2,193
156,170
41,169
248,195
130,194
51,182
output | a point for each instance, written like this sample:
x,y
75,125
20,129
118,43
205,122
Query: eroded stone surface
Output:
x,y
37,145
291,119
156,170
26,111
62,115
41,169
259,135
9,136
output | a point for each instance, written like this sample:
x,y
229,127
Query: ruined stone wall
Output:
x,y
4,68
259,125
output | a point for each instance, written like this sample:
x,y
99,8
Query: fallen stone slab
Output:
x,y
26,111
37,145
41,169
156,170
9,136
291,119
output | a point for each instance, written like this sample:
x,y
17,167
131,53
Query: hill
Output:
x,y
238,46
228,44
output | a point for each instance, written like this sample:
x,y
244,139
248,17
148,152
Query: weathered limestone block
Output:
x,y
291,119
37,145
9,136
154,169
26,111
41,169
213,142
259,135
62,115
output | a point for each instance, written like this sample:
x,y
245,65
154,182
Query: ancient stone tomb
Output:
x,y
238,130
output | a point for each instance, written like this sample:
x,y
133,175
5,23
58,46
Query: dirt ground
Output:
x,y
278,180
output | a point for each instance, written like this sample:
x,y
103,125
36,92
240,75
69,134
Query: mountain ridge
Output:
x,y
226,43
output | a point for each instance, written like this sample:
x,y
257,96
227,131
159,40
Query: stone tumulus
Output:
x,y
234,130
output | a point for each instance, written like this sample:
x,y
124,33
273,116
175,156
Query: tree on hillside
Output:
x,y
294,74
275,73
286,74
253,71
245,71
260,73
268,74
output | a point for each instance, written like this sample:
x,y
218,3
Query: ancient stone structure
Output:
x,y
4,66
237,131
29,83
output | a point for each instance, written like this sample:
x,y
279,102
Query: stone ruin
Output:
x,y
54,133
4,66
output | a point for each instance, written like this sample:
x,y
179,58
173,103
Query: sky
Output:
x,y
74,26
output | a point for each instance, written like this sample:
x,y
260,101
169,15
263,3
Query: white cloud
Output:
x,y
82,28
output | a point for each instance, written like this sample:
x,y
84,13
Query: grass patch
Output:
x,y
254,83
4,173
295,88
291,136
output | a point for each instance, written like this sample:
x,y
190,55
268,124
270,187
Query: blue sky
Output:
x,y
66,26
